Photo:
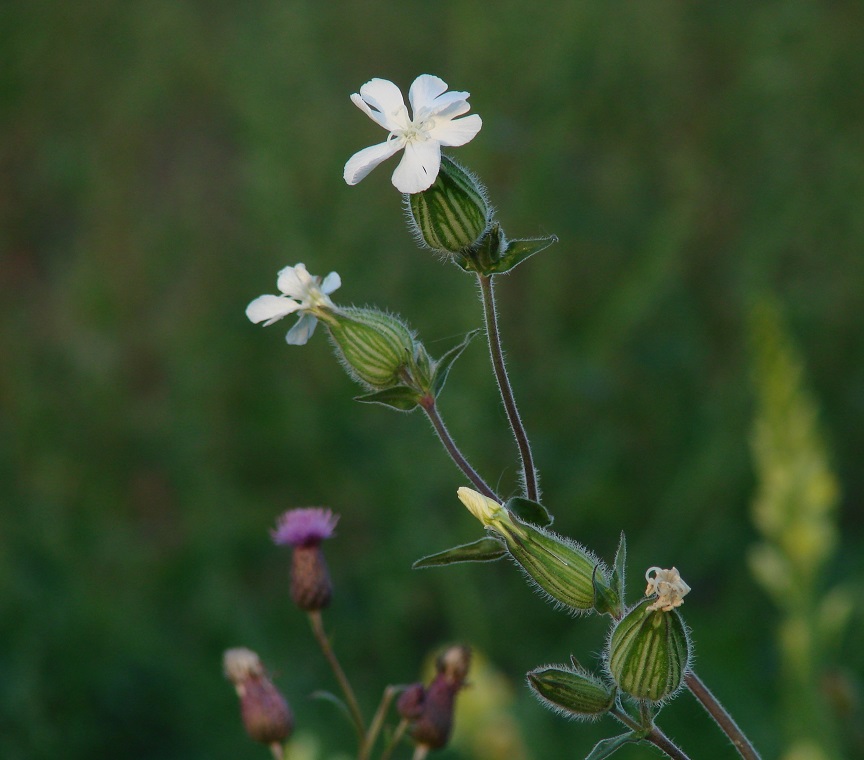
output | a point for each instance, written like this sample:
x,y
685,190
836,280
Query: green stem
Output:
x,y
723,719
428,405
345,685
394,740
655,736
529,475
377,721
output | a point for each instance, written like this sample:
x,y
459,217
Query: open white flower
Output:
x,y
301,292
434,124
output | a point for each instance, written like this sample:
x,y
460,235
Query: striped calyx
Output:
x,y
572,691
453,214
649,652
562,569
376,348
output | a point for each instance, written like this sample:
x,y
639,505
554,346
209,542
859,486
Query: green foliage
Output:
x,y
795,511
160,161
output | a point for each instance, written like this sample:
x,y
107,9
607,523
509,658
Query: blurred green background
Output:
x,y
160,161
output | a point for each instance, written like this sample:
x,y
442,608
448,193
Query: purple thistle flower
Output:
x,y
308,526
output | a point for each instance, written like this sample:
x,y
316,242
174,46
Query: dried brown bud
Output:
x,y
431,710
411,701
265,713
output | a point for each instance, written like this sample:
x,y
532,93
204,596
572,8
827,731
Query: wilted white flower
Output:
x,y
668,586
301,292
433,123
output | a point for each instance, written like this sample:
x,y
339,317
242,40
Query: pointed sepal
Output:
x,y
485,550
609,599
529,511
518,250
443,365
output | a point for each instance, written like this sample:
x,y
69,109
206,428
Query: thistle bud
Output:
x,y
430,710
574,692
265,713
649,652
453,214
562,569
375,347
304,530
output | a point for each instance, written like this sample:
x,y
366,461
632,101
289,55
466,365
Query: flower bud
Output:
x,y
430,710
304,530
374,347
562,569
265,713
649,652
453,214
572,691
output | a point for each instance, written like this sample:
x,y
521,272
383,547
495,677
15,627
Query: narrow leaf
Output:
x,y
399,397
608,747
529,511
485,550
327,696
519,250
443,365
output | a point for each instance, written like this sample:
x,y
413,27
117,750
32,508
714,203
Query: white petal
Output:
x,y
419,167
446,108
294,281
271,308
331,282
385,97
423,91
302,330
364,161
456,132
376,116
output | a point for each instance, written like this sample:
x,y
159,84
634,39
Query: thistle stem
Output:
x,y
428,405
345,685
377,722
394,740
529,475
723,719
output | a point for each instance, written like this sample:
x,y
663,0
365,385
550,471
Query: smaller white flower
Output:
x,y
301,292
669,587
433,123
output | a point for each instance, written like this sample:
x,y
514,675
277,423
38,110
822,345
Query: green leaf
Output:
x,y
327,696
618,577
608,747
399,397
519,250
529,511
611,600
443,365
485,550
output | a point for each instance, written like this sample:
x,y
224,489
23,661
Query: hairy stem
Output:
x,y
428,406
723,719
529,475
655,736
344,684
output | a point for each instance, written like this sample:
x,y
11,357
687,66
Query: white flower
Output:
x,y
669,587
434,124
301,292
